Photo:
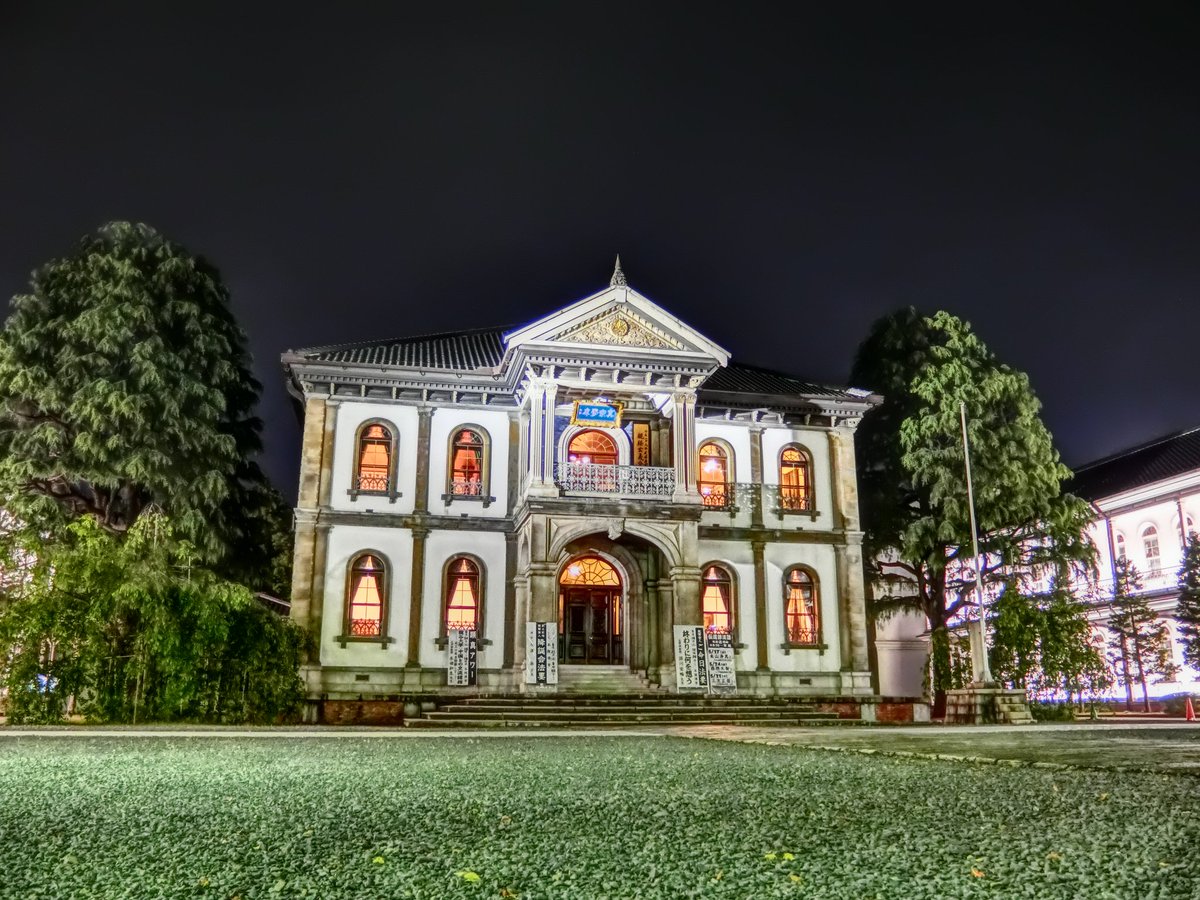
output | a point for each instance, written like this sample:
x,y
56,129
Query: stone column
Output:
x,y
666,633
683,433
416,596
548,448
520,586
510,600
756,475
522,479
311,535
424,427
761,602
844,477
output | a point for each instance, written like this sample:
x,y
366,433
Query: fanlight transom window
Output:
x,y
803,624
716,599
592,447
366,596
466,464
795,479
462,594
374,458
590,570
713,478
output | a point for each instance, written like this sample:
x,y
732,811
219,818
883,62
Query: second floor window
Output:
x,y
592,447
713,478
466,464
1150,543
1120,542
795,479
374,468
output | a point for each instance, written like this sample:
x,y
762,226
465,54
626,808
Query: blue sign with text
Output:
x,y
602,414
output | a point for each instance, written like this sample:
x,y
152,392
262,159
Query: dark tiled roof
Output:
x,y
1163,458
483,348
741,379
480,348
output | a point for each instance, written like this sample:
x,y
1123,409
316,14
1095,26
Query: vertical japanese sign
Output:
x,y
462,667
718,654
641,443
691,667
541,653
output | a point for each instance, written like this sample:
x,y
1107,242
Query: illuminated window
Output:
x,y
462,593
795,479
467,464
1120,542
374,463
801,607
590,570
592,447
713,478
366,596
1150,544
716,599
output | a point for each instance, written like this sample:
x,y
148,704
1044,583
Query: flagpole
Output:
x,y
985,673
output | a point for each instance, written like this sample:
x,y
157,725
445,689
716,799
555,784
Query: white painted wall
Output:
x,y
737,557
445,422
350,415
345,543
902,649
439,548
738,438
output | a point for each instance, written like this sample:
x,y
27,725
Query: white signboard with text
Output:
x,y
691,668
461,657
541,653
718,654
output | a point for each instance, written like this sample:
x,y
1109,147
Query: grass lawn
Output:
x,y
573,818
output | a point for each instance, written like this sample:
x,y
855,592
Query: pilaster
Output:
x,y
683,433
416,596
760,603
424,427
756,475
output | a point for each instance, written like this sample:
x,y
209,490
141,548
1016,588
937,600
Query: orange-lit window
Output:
x,y
466,464
716,599
795,479
462,594
374,459
366,596
713,479
803,622
590,570
592,447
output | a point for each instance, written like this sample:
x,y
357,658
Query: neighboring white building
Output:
x,y
1147,499
606,469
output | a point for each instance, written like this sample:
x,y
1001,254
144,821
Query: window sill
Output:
x,y
468,498
392,496
381,640
443,642
787,648
808,513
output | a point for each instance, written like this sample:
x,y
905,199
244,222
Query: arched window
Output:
x,y
716,599
467,463
713,478
1119,540
374,464
801,609
1150,544
462,593
795,479
593,447
366,597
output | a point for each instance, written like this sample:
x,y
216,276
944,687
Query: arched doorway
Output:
x,y
589,612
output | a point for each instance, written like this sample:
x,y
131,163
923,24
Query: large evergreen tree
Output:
x,y
912,484
125,384
1139,643
1187,613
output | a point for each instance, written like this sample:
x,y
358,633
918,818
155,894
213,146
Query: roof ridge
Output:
x,y
841,389
1137,448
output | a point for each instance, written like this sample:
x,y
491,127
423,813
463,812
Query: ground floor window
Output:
x,y
801,609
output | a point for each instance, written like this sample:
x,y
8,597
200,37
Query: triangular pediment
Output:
x,y
618,317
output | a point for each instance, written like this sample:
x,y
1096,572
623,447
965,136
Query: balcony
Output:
x,y
625,481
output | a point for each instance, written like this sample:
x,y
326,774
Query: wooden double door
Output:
x,y
592,631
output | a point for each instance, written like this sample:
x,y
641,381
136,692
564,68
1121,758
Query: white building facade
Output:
x,y
606,471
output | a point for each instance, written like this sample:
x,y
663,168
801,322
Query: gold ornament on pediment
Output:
x,y
621,329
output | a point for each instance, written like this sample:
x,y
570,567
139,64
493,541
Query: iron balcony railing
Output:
x,y
627,481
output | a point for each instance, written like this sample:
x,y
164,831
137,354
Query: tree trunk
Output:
x,y
1125,673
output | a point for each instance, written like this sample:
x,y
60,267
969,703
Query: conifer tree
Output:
x,y
1139,643
1187,613
911,471
125,384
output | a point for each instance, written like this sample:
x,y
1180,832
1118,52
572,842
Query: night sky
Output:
x,y
776,182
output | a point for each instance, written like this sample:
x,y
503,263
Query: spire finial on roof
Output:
x,y
618,278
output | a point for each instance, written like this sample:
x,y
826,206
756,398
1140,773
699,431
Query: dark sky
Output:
x,y
778,182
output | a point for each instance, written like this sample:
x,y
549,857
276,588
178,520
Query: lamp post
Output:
x,y
982,670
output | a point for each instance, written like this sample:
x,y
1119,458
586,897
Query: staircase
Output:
x,y
593,679
621,711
